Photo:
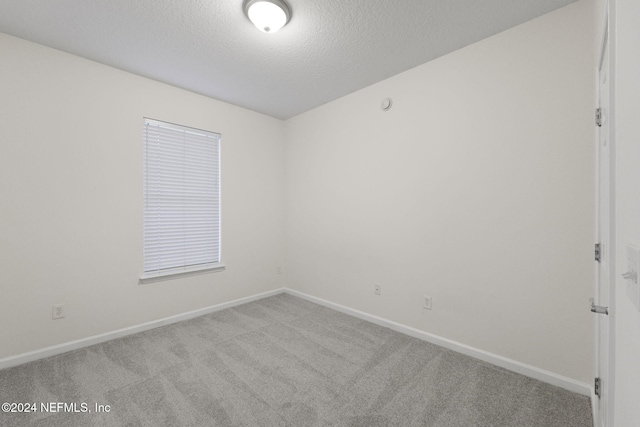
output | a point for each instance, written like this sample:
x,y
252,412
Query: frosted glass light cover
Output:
x,y
267,16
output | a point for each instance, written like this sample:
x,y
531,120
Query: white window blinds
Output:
x,y
181,199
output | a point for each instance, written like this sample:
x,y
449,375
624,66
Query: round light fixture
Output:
x,y
267,15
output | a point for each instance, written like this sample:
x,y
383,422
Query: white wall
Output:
x,y
71,198
476,188
627,110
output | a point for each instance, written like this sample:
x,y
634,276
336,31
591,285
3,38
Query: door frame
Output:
x,y
607,39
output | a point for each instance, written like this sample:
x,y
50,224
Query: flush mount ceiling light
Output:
x,y
268,15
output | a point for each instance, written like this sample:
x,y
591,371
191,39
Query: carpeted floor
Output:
x,y
281,361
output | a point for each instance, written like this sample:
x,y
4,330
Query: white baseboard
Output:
x,y
503,362
96,339
595,415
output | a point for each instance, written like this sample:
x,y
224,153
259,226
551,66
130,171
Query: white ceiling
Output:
x,y
329,48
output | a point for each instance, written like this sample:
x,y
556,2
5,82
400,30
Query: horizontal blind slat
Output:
x,y
181,196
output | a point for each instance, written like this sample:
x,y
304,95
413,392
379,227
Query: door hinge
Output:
x,y
598,252
597,385
598,117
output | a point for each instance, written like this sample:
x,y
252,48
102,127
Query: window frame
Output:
x,y
155,239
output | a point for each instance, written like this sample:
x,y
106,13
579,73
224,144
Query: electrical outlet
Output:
x,y
278,270
426,302
377,289
57,312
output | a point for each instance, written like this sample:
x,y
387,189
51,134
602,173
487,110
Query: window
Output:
x,y
181,200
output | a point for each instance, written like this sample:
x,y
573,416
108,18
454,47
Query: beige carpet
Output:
x,y
281,361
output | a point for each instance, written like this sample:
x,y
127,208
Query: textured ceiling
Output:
x,y
329,48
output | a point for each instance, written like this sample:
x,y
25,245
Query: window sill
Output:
x,y
179,273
